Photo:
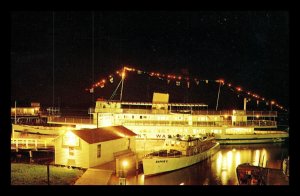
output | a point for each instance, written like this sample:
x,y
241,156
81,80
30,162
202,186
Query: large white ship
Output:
x,y
179,152
160,119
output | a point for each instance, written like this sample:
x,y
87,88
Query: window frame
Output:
x,y
98,151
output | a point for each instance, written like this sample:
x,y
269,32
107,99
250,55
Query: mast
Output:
x,y
93,54
15,112
53,61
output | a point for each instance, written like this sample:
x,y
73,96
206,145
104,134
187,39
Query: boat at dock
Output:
x,y
179,152
249,174
256,136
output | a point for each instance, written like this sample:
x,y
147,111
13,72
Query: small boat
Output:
x,y
248,174
179,152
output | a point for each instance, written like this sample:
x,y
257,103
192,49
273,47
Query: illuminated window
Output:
x,y
71,151
98,150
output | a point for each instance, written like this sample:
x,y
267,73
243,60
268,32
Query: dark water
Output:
x,y
219,169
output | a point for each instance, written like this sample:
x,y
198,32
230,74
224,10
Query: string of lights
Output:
x,y
180,80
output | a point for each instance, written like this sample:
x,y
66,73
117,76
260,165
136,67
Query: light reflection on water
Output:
x,y
220,169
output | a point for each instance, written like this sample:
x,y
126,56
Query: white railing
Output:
x,y
269,132
256,123
212,112
262,113
253,123
70,120
30,143
194,112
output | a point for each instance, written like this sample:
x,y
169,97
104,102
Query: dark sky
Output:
x,y
249,49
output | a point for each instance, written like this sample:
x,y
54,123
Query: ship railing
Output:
x,y
176,123
161,111
71,120
230,112
144,111
268,132
131,111
193,112
164,153
255,123
38,127
155,123
212,123
212,112
262,113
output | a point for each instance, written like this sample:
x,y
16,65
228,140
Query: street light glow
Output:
x,y
125,163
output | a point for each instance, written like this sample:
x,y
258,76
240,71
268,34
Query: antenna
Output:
x,y
121,82
114,93
218,95
123,78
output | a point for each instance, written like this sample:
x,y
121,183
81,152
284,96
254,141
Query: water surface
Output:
x,y
220,169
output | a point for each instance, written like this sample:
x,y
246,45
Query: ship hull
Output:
x,y
156,165
251,141
252,138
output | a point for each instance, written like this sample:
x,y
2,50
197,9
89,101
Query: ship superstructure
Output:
x,y
160,119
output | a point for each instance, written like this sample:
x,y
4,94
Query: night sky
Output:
x,y
249,49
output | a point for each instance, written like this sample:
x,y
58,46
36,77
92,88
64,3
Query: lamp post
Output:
x,y
122,179
124,164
